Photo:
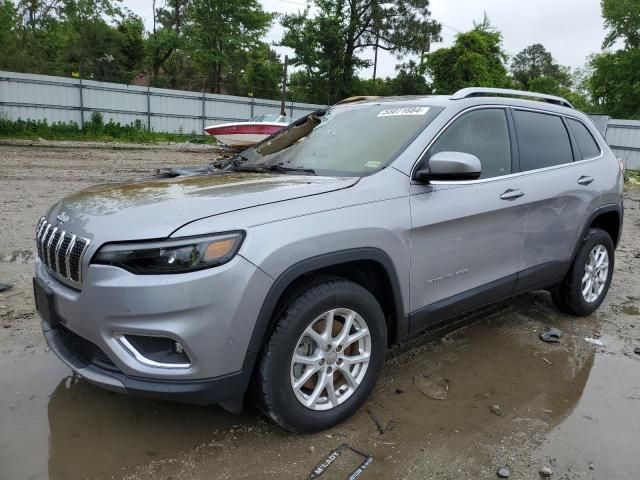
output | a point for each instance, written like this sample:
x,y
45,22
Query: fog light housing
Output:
x,y
155,351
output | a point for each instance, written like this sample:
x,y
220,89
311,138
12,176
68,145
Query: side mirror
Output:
x,y
449,166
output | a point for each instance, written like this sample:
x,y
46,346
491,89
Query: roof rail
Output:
x,y
487,92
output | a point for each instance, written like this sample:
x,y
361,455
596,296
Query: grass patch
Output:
x,y
632,177
94,130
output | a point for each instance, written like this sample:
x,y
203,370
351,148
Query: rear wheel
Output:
x,y
586,285
324,357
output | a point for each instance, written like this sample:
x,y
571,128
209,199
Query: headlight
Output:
x,y
171,256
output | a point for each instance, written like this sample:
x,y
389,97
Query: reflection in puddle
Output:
x,y
95,433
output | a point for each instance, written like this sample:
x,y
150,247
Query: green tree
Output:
x,y
217,31
329,44
101,50
622,19
476,59
164,43
615,81
318,44
9,34
263,72
535,67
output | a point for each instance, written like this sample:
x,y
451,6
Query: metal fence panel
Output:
x,y
60,99
623,136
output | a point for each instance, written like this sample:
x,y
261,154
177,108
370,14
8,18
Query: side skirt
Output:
x,y
539,277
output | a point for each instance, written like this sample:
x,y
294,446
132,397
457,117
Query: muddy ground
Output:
x,y
573,407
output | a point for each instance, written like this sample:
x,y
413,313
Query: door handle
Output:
x,y
512,194
584,180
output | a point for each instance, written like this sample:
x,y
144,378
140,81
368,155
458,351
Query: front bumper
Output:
x,y
212,313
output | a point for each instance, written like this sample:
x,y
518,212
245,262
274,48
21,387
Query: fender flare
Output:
x,y
613,207
265,320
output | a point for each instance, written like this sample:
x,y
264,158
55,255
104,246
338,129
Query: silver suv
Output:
x,y
293,266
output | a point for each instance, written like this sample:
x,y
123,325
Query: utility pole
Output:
x,y
375,56
284,86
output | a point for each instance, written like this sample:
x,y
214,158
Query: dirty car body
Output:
x,y
176,287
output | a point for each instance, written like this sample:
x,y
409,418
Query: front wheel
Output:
x,y
324,357
587,283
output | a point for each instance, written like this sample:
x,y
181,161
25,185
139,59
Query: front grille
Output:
x,y
82,349
60,251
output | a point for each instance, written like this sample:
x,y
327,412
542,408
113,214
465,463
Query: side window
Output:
x,y
543,140
587,145
483,133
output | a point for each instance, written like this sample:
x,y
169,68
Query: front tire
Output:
x,y
586,285
323,359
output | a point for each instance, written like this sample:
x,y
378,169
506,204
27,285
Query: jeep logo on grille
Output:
x,y
63,217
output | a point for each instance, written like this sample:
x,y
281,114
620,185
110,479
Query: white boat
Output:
x,y
246,134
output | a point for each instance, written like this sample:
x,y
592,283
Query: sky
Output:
x,y
570,29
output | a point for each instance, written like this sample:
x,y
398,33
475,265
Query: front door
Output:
x,y
467,236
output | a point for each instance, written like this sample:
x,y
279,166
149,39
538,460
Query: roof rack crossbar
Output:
x,y
483,92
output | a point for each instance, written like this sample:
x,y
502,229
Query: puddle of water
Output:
x,y
56,426
600,438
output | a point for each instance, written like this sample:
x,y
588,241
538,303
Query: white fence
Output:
x,y
60,99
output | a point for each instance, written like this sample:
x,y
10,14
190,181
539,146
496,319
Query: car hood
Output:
x,y
154,208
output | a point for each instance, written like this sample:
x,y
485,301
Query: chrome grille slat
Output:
x,y
45,244
51,246
62,252
56,250
67,254
41,226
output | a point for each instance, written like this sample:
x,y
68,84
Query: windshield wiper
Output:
x,y
273,168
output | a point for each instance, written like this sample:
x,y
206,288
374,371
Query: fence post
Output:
x,y
148,108
204,99
81,104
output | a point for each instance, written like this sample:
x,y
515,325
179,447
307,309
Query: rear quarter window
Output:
x,y
587,145
543,140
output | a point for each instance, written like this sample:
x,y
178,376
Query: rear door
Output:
x,y
558,154
467,236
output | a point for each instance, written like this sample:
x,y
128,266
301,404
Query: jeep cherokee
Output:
x,y
294,265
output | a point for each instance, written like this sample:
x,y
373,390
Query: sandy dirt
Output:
x,y
506,398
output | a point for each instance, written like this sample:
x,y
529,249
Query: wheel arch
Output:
x,y
338,264
608,219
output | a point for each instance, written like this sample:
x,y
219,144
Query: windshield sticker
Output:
x,y
372,164
395,112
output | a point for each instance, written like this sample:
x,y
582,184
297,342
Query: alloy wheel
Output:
x,y
330,359
596,272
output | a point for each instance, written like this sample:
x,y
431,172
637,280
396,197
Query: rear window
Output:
x,y
543,140
587,145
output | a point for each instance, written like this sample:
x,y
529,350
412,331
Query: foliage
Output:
x,y
328,44
164,42
95,129
622,19
476,59
534,67
217,31
615,81
263,72
218,46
